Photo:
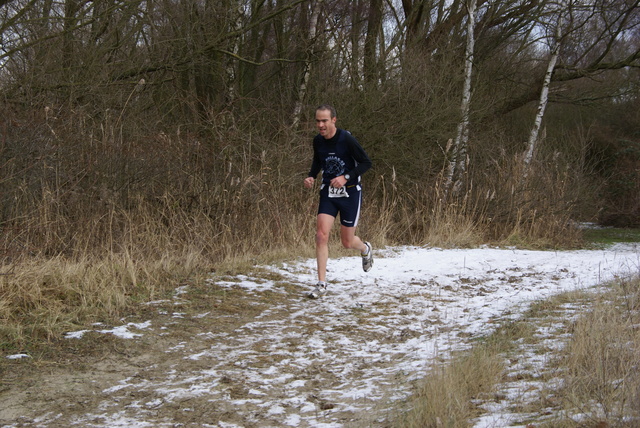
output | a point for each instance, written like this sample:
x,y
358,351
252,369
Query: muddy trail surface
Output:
x,y
253,351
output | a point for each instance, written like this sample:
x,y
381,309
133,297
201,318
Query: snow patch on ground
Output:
x,y
358,350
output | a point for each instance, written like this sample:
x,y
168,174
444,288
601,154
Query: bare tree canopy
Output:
x,y
239,79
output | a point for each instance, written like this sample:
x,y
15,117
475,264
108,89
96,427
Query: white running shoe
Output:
x,y
318,291
367,259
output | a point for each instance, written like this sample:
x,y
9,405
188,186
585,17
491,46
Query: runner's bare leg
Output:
x,y
349,239
324,224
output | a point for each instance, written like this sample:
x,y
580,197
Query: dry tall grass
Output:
x,y
96,271
593,381
444,398
602,381
95,222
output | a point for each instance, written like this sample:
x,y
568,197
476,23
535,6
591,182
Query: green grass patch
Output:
x,y
611,235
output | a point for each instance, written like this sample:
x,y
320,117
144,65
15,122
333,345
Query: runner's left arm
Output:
x,y
361,157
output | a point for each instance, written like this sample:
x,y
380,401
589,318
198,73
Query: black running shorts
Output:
x,y
348,207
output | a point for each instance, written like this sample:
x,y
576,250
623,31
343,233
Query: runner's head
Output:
x,y
326,120
329,107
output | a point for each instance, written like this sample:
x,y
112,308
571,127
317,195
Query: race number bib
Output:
x,y
335,192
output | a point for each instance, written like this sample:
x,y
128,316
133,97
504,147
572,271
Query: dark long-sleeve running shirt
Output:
x,y
339,155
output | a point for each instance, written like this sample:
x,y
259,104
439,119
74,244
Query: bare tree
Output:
x,y
374,29
302,90
458,162
555,41
594,45
234,43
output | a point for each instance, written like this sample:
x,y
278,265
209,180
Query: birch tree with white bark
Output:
x,y
234,43
554,44
459,158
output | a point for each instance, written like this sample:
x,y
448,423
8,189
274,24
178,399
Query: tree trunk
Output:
x,y
374,27
230,67
458,163
354,63
544,93
302,90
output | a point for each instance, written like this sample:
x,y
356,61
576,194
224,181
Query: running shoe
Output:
x,y
367,259
318,291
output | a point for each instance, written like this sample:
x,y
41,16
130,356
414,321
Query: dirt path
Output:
x,y
252,351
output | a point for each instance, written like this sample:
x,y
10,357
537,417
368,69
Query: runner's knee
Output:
x,y
347,242
322,237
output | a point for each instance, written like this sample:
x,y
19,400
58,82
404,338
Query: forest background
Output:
x,y
144,142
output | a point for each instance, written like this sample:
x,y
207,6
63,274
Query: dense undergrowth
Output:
x,y
97,217
90,237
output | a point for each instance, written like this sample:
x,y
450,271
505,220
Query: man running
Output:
x,y
342,161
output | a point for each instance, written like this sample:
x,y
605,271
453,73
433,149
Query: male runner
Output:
x,y
342,161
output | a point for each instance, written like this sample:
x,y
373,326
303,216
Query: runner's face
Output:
x,y
325,123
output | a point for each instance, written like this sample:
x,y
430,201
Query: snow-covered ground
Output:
x,y
350,356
